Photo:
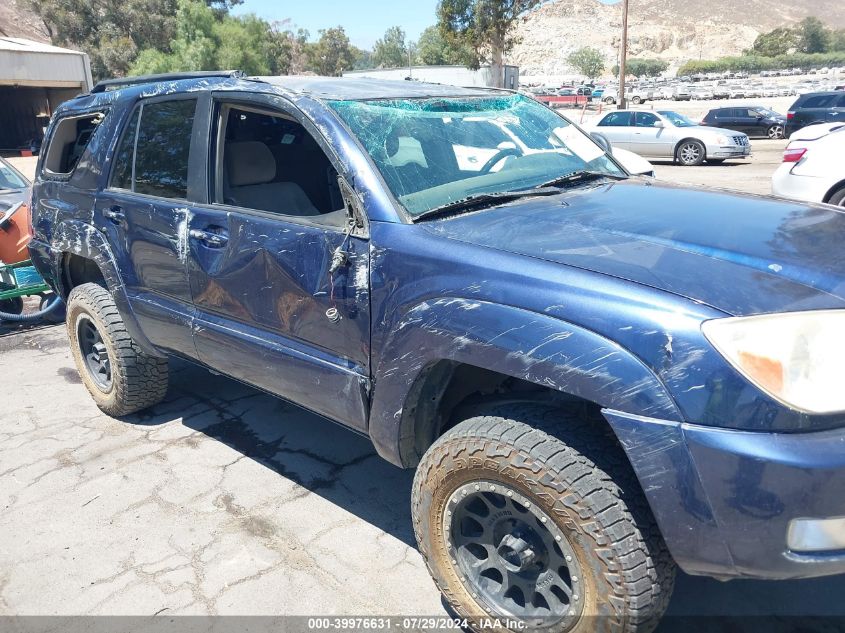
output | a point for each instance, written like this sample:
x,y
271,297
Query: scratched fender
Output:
x,y
82,239
519,343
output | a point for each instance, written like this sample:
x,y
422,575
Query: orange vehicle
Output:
x,y
15,234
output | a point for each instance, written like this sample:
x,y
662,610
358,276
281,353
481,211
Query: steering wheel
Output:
x,y
498,156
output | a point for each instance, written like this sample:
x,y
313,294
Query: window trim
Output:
x,y
249,103
139,106
43,173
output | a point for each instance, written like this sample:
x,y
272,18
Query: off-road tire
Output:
x,y
138,380
576,472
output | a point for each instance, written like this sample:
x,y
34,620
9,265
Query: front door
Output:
x,y
272,308
649,140
144,214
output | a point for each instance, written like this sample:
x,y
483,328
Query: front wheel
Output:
x,y
550,531
609,100
691,153
636,100
775,132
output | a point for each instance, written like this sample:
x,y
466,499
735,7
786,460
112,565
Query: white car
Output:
x,y
813,168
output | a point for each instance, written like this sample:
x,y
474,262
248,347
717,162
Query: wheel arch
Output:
x,y
834,189
492,351
85,256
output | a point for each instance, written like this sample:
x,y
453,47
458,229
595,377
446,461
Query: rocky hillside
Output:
x,y
16,20
674,30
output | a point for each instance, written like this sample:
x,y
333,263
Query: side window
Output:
x,y
267,161
616,119
68,142
841,103
121,175
162,149
818,101
645,119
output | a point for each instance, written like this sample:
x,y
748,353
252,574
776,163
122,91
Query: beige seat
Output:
x,y
250,174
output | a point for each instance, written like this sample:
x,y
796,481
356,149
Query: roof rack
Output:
x,y
113,84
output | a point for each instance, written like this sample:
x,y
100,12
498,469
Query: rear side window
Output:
x,y
818,101
152,157
617,119
68,142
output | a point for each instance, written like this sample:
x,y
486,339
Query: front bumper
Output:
x,y
728,151
724,500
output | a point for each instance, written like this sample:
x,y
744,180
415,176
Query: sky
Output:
x,y
365,21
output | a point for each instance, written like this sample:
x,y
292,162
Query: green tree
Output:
x,y
434,50
206,41
391,51
113,32
332,53
587,61
813,37
780,41
287,50
643,67
484,27
837,41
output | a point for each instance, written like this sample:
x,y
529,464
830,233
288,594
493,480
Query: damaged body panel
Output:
x,y
384,253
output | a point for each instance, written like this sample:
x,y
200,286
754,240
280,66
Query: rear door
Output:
x,y
817,108
279,278
144,212
618,127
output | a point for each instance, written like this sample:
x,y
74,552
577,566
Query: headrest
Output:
x,y
249,163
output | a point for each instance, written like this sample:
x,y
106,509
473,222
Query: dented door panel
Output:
x,y
262,300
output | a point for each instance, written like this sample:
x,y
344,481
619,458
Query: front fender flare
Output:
x,y
526,345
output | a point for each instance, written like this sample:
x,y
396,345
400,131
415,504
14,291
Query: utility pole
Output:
x,y
623,55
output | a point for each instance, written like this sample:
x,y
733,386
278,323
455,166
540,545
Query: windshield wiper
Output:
x,y
481,200
578,177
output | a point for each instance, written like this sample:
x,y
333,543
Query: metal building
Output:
x,y
34,79
452,75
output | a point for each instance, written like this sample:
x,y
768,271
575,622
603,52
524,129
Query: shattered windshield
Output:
x,y
435,151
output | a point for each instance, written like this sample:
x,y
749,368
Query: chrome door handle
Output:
x,y
209,238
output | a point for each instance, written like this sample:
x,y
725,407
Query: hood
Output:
x,y
741,254
718,130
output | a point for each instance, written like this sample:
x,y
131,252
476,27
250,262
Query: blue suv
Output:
x,y
597,377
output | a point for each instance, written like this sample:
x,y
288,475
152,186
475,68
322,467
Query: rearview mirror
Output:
x,y
658,124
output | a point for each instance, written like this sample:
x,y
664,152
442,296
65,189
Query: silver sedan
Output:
x,y
669,135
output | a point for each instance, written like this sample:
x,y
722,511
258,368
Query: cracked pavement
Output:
x,y
223,500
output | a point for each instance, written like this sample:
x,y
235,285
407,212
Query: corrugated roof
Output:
x,y
28,46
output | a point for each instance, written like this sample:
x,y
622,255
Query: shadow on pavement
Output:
x,y
343,468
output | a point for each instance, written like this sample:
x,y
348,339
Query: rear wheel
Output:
x,y
775,131
120,377
609,100
691,153
11,306
548,530
636,100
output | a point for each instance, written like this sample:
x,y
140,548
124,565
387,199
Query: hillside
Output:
x,y
16,20
674,30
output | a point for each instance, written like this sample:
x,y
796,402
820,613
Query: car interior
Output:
x,y
272,163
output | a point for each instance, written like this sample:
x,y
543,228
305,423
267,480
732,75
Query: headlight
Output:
x,y
797,358
723,140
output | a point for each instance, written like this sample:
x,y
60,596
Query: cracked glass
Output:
x,y
435,151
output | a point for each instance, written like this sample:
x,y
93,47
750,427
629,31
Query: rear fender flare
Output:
x,y
82,239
